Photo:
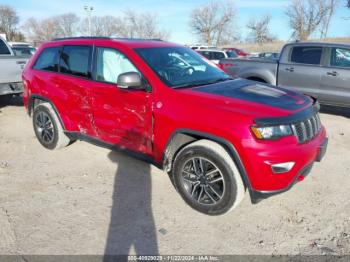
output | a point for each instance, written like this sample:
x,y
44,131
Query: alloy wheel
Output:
x,y
203,180
44,127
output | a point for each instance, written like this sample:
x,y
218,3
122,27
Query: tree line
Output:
x,y
130,25
213,23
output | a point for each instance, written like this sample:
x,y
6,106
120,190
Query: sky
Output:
x,y
173,15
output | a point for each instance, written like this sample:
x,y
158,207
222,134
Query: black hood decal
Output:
x,y
258,93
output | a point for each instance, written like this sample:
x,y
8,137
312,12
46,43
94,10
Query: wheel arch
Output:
x,y
257,79
35,100
182,137
265,76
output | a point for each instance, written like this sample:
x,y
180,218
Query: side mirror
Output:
x,y
130,80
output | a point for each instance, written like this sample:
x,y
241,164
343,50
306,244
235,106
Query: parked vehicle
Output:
x,y
10,73
23,51
269,55
200,47
239,52
321,70
215,55
13,44
216,137
22,48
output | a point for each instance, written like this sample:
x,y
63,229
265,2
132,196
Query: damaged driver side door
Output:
x,y
122,117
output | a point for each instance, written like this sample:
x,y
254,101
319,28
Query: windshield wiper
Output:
x,y
189,85
222,79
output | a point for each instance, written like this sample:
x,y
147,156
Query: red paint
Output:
x,y
144,122
239,52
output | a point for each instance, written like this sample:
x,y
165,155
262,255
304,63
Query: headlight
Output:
x,y
272,132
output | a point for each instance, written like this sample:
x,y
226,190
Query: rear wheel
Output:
x,y
48,128
207,178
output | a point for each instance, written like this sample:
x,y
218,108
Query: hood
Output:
x,y
259,93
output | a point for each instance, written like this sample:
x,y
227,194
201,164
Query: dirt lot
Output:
x,y
88,200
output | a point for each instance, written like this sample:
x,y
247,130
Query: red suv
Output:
x,y
216,137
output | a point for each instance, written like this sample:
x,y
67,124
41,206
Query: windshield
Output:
x,y
181,67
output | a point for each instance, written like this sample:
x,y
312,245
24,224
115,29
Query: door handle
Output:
x,y
334,73
291,69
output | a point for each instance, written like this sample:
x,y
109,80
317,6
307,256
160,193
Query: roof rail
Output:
x,y
80,37
106,38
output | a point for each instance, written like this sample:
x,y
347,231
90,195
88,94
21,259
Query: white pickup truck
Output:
x,y
11,68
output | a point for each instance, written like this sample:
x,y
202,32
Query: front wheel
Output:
x,y
207,178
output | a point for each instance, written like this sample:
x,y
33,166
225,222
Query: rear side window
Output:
x,y
75,60
307,55
48,59
340,57
4,49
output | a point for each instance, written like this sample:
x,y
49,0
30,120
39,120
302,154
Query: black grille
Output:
x,y
306,130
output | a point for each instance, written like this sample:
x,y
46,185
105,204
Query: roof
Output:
x,y
210,50
130,42
327,44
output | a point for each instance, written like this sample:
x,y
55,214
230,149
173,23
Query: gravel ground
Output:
x,y
88,200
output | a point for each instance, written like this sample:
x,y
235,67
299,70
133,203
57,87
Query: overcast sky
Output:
x,y
174,14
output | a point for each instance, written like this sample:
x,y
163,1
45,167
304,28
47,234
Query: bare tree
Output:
x,y
331,6
260,29
130,24
9,21
305,16
41,30
67,24
103,26
213,23
142,25
64,25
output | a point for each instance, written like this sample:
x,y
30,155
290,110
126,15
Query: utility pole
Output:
x,y
89,10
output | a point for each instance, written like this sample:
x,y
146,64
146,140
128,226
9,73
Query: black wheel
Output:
x,y
207,178
47,127
5,99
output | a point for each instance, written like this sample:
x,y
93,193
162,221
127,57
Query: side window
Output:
x,y
218,55
75,60
307,55
205,54
4,49
340,57
48,59
110,63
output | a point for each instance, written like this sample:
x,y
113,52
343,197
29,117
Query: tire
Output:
x,y
216,190
5,99
48,128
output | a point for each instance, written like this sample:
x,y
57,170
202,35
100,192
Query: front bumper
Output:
x,y
11,88
257,196
259,158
